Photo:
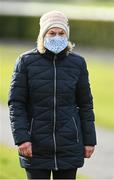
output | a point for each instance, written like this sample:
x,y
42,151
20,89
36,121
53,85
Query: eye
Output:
x,y
61,33
52,33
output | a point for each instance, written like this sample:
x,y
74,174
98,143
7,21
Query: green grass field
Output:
x,y
8,55
102,85
9,164
102,3
101,79
93,4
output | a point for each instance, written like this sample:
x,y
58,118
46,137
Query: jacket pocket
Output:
x,y
76,128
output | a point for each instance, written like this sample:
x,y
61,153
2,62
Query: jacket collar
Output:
x,y
50,55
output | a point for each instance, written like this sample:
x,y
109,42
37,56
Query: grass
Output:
x,y
101,79
109,4
10,167
86,3
8,55
9,164
102,85
97,3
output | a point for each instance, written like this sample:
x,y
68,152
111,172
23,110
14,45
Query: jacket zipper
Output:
x,y
55,158
76,128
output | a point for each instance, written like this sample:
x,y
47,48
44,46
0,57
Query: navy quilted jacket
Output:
x,y
51,105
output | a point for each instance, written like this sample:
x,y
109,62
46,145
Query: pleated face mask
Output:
x,y
55,44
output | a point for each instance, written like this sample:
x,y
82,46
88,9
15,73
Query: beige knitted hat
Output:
x,y
53,19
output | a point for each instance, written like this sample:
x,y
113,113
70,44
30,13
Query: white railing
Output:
x,y
73,12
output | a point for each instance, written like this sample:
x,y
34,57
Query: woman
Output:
x,y
51,105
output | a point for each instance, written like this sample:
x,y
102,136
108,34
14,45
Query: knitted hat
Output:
x,y
53,19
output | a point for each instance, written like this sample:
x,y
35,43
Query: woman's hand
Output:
x,y
88,151
25,149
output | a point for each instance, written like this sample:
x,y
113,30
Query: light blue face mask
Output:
x,y
55,44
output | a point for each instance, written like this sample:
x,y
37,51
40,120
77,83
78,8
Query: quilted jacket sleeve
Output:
x,y
17,99
85,103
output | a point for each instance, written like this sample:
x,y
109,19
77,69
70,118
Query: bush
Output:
x,y
19,27
92,33
84,32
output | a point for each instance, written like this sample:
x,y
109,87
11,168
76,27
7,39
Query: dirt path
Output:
x,y
100,166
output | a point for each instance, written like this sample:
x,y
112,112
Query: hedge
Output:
x,y
85,33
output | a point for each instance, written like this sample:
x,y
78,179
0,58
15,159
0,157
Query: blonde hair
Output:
x,y
41,48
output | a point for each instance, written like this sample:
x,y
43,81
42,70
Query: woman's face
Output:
x,y
55,31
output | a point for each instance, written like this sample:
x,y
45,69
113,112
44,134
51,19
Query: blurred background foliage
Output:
x,y
102,2
84,32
